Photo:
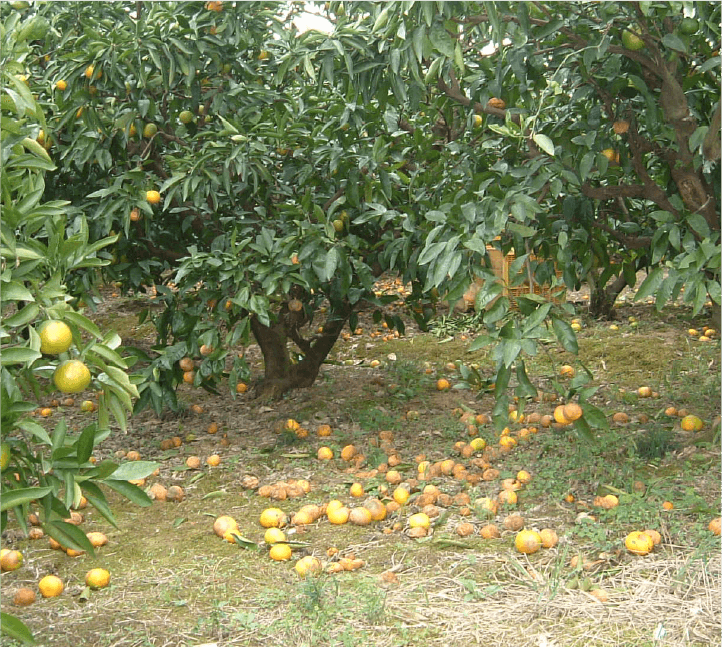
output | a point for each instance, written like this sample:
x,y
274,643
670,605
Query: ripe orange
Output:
x,y
401,495
338,515
241,387
356,490
214,460
50,586
567,371
348,452
691,423
443,384
715,526
325,453
376,508
490,531
55,337
223,524
97,578
620,418
72,376
308,565
273,518
324,430
644,392
274,535
153,197
528,541
495,102
189,377
639,543
419,520
572,411
175,493
61,84
559,415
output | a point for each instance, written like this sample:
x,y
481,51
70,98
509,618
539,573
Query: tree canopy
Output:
x,y
294,168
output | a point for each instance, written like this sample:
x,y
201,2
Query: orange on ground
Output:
x,y
50,586
324,453
194,462
308,566
223,524
443,384
528,541
97,578
214,460
691,423
23,597
10,560
338,515
273,517
280,552
639,543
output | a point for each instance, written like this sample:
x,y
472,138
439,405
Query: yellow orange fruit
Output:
x,y
528,541
324,453
338,515
376,508
644,392
214,460
308,566
273,518
55,337
442,384
152,196
572,411
348,452
715,525
559,415
274,535
175,493
420,520
639,543
691,423
620,418
324,430
280,552
567,371
97,578
401,495
356,490
50,586
61,84
72,376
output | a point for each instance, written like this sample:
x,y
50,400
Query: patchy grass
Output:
x,y
175,583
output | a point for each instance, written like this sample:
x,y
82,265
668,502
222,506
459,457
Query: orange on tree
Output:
x,y
55,337
152,196
72,376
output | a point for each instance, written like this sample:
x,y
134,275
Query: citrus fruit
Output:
x,y
401,495
419,520
572,411
549,537
152,196
185,117
97,578
11,560
97,538
559,415
360,516
149,130
72,376
308,565
443,385
528,541
639,543
691,423
51,586
715,526
356,490
567,371
632,41
55,337
280,552
338,515
689,26
24,597
61,85
478,120
223,524
274,535
325,453
273,518
4,456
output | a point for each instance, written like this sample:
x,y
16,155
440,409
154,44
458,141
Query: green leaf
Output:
x,y
331,263
651,284
131,492
545,143
565,335
14,628
133,470
594,416
68,535
441,40
22,496
19,355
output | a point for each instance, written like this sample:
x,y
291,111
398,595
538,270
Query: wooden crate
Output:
x,y
501,267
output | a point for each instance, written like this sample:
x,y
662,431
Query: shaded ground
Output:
x,y
175,583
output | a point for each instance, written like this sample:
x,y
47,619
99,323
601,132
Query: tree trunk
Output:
x,y
602,297
281,373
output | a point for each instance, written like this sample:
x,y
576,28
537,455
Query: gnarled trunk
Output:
x,y
281,373
602,297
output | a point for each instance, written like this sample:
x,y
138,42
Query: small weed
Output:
x,y
655,443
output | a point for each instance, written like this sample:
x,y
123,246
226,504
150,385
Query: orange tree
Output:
x,y
272,175
47,345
